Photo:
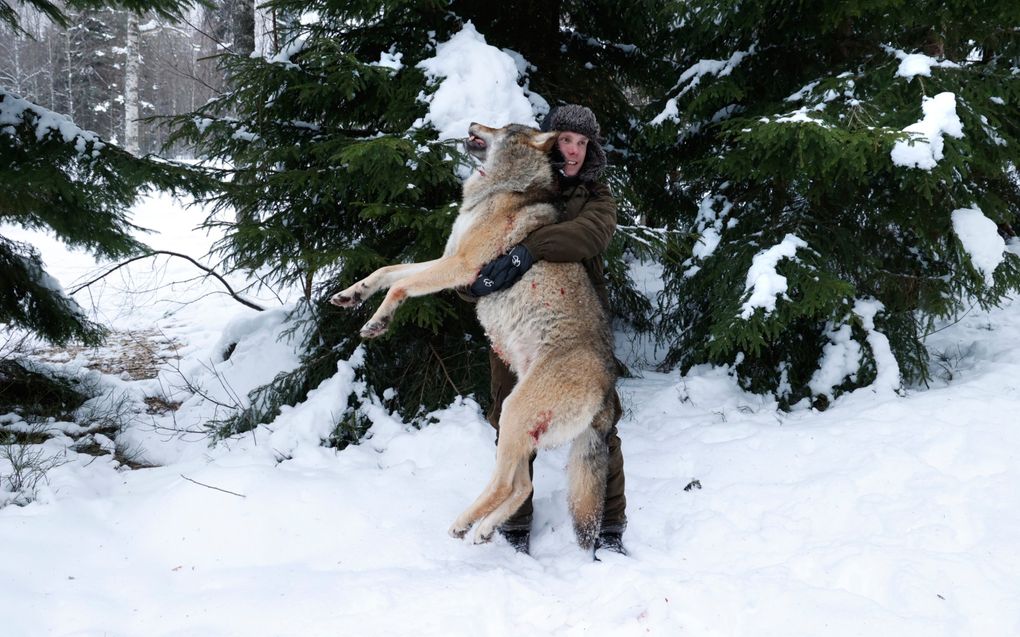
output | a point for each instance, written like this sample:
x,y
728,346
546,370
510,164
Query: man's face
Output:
x,y
573,147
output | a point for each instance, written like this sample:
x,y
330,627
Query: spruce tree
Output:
x,y
59,177
839,145
329,179
332,175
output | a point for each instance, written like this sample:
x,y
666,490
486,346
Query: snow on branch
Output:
x,y
692,77
16,112
477,83
887,376
841,356
980,238
913,64
924,147
764,281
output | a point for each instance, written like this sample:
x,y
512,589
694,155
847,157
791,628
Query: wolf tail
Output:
x,y
587,470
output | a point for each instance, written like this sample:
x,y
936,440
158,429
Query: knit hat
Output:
x,y
579,119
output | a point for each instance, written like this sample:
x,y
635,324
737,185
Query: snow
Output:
x,y
477,83
692,78
390,60
764,281
289,50
882,515
842,356
709,224
981,240
924,148
991,132
888,370
800,116
803,92
15,112
914,64
840,360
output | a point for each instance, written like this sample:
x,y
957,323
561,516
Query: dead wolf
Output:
x,y
550,328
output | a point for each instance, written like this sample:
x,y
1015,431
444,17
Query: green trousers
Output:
x,y
614,517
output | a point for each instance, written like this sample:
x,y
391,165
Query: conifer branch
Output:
x,y
442,366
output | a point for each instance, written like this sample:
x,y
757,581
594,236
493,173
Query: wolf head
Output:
x,y
514,157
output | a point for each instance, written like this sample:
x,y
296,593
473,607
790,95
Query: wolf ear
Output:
x,y
545,141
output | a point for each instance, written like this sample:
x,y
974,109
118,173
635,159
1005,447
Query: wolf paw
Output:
x,y
375,328
346,299
484,535
458,531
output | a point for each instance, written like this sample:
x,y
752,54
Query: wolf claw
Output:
x,y
344,300
374,328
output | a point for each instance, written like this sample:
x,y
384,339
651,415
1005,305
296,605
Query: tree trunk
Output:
x,y
51,74
131,97
18,72
243,27
69,74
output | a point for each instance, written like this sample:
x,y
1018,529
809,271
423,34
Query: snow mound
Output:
x,y
477,83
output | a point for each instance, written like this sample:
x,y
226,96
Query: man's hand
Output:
x,y
503,271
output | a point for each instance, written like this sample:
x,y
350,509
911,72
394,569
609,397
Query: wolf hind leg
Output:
x,y
505,483
522,488
587,470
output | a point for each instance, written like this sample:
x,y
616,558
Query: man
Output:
x,y
583,235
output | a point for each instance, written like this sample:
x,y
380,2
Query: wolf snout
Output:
x,y
475,143
474,139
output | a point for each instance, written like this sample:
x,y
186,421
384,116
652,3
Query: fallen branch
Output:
x,y
209,271
240,495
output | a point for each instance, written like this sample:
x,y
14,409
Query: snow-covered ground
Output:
x,y
882,516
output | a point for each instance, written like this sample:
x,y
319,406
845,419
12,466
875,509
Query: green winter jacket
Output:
x,y
583,234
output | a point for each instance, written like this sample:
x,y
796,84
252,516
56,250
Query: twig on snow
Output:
x,y
208,486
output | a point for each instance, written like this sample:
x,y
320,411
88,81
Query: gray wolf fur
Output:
x,y
549,327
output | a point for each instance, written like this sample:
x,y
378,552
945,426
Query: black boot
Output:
x,y
520,539
610,541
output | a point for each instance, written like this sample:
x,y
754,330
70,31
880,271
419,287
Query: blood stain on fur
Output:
x,y
542,426
498,351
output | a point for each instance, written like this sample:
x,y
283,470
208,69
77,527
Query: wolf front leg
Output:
x,y
441,274
380,279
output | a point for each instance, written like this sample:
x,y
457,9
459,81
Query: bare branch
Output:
x,y
207,486
209,271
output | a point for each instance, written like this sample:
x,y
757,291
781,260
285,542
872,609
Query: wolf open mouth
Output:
x,y
476,146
